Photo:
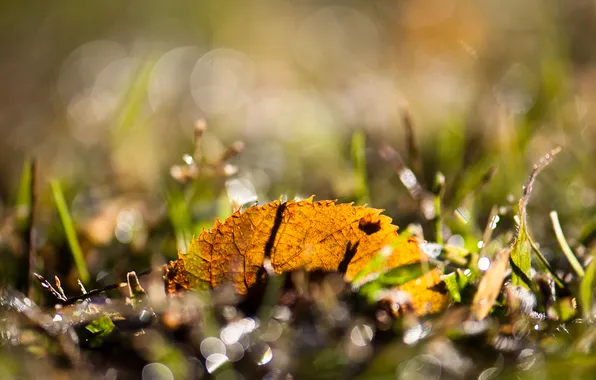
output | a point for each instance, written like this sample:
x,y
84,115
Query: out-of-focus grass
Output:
x,y
70,232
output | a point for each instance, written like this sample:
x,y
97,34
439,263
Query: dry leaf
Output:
x,y
490,285
426,298
318,235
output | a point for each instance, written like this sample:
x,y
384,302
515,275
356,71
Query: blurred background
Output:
x,y
104,95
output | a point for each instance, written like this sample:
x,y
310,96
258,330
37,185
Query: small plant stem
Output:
x,y
438,190
487,235
69,231
414,157
554,217
359,161
31,229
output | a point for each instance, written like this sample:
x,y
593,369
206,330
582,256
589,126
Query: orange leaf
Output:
x,y
318,235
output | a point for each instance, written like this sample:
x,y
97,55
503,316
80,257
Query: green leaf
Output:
x,y
394,277
99,329
378,261
452,282
522,259
586,290
401,275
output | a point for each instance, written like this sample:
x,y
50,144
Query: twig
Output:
x,y
200,128
488,230
94,292
46,284
407,177
414,156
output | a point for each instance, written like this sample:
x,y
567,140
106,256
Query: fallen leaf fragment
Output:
x,y
490,285
319,235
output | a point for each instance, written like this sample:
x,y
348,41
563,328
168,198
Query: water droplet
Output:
x,y
483,263
156,371
264,355
273,331
212,345
493,223
420,367
214,361
361,335
463,214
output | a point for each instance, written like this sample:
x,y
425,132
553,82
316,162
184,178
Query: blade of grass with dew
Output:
x,y
575,264
586,289
414,156
359,160
521,253
70,232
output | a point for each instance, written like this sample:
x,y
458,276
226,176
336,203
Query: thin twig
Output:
x,y
488,230
200,128
46,284
414,156
94,292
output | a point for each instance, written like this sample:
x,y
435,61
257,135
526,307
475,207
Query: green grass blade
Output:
x,y
70,232
544,262
575,264
586,289
359,160
180,217
132,102
23,202
521,252
521,257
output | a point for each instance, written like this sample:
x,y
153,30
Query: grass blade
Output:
x,y
521,253
69,231
438,191
359,160
586,289
577,267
